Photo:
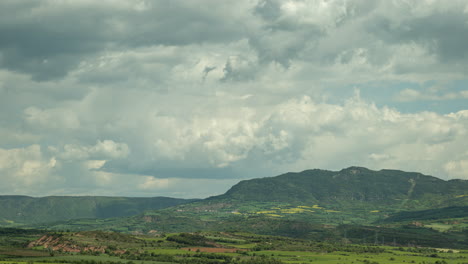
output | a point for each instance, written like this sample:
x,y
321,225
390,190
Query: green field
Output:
x,y
97,247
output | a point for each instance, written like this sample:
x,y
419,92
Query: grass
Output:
x,y
23,262
243,246
392,257
147,250
439,227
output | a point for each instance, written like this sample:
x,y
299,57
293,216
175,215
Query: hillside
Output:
x,y
430,214
17,210
312,204
351,187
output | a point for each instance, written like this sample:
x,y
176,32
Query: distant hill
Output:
x,y
17,210
310,204
354,204
351,187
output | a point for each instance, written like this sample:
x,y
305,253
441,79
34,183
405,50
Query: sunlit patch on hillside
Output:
x,y
266,212
274,215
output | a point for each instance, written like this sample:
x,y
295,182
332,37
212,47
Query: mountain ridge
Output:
x,y
20,209
296,201
352,184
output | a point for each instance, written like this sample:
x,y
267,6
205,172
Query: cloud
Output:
x,y
70,32
239,68
440,29
25,168
123,93
223,145
393,38
295,135
457,168
409,95
153,183
106,149
51,118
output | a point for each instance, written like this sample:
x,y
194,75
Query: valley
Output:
x,y
93,247
355,215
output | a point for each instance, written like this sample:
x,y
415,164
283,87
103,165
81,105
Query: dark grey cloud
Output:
x,y
179,23
281,38
206,71
444,34
48,40
269,10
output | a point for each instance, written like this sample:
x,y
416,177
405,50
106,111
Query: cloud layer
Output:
x,y
148,98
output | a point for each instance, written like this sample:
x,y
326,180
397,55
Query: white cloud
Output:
x,y
25,168
361,133
297,134
106,149
457,169
95,164
325,14
110,149
152,183
410,95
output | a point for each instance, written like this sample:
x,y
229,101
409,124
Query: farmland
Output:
x,y
97,247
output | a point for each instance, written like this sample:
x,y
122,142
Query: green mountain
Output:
x,y
353,186
355,204
314,204
430,214
18,210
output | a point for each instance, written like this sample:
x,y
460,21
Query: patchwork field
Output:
x,y
97,247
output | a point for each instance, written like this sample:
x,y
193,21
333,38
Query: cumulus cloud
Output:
x,y
106,149
297,134
25,168
153,183
302,133
148,98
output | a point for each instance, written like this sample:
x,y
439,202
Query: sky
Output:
x,y
186,98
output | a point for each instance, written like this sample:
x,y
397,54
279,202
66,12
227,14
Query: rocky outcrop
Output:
x,y
56,243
